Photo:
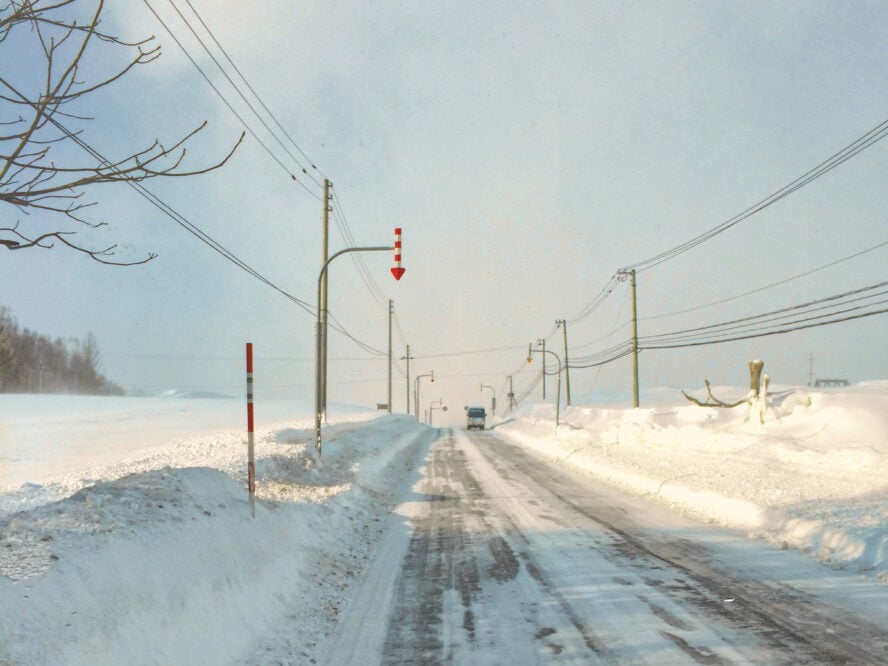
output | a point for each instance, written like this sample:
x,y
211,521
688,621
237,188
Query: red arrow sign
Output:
x,y
397,271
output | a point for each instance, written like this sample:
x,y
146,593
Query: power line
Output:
x,y
255,94
800,327
847,306
769,286
228,104
843,298
339,327
832,309
604,357
860,144
236,87
597,301
364,273
469,352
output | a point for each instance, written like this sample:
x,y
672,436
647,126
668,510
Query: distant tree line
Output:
x,y
33,363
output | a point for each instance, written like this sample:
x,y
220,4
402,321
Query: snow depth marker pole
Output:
x,y
251,453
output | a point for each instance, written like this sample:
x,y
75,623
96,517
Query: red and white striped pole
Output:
x,y
251,453
397,270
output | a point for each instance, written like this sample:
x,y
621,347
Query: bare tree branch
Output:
x,y
712,401
31,178
97,255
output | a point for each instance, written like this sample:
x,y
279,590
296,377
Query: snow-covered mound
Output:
x,y
170,564
812,476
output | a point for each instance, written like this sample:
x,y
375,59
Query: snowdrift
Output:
x,y
812,476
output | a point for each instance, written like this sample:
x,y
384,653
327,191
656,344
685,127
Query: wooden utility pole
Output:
x,y
563,324
634,341
407,357
324,257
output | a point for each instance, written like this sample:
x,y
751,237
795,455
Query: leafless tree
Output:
x,y
42,79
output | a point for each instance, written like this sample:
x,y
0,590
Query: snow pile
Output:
x,y
812,476
161,558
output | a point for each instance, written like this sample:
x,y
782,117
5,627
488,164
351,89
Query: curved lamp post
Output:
x,y
432,409
416,392
530,351
319,399
492,400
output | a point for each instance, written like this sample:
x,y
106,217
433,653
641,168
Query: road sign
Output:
x,y
397,270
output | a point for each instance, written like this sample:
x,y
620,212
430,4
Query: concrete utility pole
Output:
x,y
407,357
391,310
542,343
563,324
323,304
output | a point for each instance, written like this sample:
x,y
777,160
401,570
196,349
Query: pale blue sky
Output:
x,y
528,150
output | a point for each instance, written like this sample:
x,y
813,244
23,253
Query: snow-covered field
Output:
x,y
126,534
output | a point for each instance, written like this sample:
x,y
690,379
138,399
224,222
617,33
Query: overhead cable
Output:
x,y
856,304
255,94
230,107
876,134
768,286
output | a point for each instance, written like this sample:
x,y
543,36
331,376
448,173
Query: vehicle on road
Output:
x,y
475,418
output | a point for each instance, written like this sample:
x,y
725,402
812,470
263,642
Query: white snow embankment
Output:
x,y
811,477
169,564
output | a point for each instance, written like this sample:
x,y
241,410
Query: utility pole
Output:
x,y
634,341
407,357
324,257
542,343
811,369
563,324
511,394
391,310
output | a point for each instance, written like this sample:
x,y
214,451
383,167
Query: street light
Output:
x,y
416,392
319,398
530,351
432,409
492,400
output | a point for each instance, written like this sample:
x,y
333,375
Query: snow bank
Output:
x,y
811,477
162,558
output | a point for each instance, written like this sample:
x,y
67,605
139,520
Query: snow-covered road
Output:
x,y
510,561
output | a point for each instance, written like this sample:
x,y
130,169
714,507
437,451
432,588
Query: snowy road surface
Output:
x,y
511,561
